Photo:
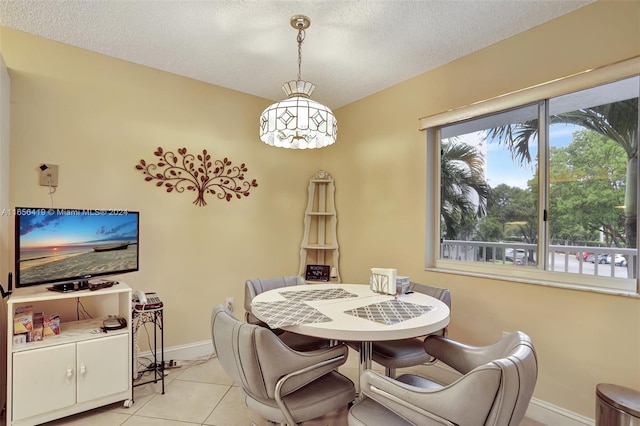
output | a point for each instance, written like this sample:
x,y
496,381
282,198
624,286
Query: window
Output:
x,y
542,191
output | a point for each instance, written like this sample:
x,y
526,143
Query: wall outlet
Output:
x,y
230,302
48,174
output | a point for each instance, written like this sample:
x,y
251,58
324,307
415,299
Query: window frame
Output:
x,y
539,95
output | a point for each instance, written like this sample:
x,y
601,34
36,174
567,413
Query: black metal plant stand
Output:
x,y
139,319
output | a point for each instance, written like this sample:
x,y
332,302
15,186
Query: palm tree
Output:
x,y
617,121
463,195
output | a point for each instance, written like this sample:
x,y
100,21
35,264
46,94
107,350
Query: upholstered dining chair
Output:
x,y
256,286
280,384
393,354
495,387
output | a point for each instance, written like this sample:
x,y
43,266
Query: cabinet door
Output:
x,y
43,380
103,367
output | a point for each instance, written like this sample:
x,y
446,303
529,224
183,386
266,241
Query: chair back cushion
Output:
x,y
227,335
260,285
514,354
442,294
467,401
519,376
256,359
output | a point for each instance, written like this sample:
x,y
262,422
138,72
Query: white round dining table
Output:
x,y
341,323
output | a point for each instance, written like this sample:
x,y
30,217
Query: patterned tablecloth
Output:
x,y
322,294
294,311
389,312
285,312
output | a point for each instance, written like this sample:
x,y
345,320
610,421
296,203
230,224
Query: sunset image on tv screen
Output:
x,y
55,245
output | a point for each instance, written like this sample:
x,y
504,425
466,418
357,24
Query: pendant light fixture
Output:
x,y
298,122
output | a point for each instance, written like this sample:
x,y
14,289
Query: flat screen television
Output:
x,y
61,246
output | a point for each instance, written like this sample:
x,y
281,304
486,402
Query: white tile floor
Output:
x,y
200,393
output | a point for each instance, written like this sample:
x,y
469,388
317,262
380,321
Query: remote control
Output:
x,y
97,286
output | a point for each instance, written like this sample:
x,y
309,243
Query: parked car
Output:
x,y
602,258
619,260
583,254
520,254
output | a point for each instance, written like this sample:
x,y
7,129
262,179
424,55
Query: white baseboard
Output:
x,y
552,415
538,410
190,352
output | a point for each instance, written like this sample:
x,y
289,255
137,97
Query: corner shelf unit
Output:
x,y
320,241
77,370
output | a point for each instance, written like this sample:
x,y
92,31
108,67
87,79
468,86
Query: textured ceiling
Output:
x,y
351,50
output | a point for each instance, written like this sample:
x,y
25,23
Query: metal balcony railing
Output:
x,y
584,260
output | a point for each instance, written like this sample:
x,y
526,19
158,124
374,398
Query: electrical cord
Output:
x,y
143,368
145,365
80,310
191,362
52,190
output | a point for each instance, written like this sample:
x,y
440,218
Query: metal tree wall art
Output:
x,y
197,173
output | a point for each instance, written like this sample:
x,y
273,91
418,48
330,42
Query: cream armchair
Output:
x,y
393,354
280,384
295,341
254,287
495,387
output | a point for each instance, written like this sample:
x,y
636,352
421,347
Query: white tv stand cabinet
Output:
x,y
77,370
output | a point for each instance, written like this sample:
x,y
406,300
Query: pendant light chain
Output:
x,y
300,39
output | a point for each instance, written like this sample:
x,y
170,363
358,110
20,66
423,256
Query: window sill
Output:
x,y
546,283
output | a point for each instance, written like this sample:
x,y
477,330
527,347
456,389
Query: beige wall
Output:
x,y
379,164
97,117
5,224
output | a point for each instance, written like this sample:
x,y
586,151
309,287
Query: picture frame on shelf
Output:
x,y
317,273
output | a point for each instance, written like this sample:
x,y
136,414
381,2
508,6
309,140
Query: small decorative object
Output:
x,y
322,175
197,173
383,280
317,273
334,272
402,284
